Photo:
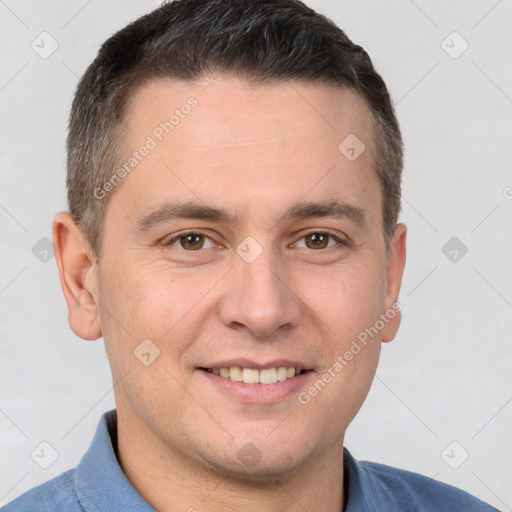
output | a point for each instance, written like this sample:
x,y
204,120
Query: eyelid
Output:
x,y
322,231
175,238
183,234
337,238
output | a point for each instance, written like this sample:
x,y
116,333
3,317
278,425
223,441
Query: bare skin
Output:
x,y
186,440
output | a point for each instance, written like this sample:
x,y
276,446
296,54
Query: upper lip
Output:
x,y
258,365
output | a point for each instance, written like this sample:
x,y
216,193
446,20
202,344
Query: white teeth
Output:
x,y
268,376
255,376
282,373
250,376
235,373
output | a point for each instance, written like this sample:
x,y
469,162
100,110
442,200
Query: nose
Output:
x,y
259,298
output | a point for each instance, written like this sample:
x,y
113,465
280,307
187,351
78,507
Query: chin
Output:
x,y
257,462
261,473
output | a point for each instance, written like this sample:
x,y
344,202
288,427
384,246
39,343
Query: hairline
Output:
x,y
117,137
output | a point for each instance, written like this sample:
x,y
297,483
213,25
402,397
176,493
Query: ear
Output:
x,y
394,270
78,276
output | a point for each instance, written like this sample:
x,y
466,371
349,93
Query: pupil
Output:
x,y
317,240
192,240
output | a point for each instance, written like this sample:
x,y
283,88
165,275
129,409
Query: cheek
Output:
x,y
140,306
152,303
346,308
349,305
347,300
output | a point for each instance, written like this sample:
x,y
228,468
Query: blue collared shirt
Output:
x,y
98,484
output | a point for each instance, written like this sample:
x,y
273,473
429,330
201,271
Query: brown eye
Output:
x,y
192,242
317,240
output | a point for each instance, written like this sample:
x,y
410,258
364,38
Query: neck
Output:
x,y
172,480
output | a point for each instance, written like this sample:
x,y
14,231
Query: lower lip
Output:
x,y
259,393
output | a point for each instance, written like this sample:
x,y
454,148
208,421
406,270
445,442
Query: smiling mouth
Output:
x,y
255,376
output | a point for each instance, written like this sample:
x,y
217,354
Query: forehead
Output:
x,y
230,110
219,139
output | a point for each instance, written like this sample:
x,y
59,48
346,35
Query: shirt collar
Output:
x,y
101,484
99,480
360,492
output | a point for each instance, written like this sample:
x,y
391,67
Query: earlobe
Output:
x,y
394,271
78,276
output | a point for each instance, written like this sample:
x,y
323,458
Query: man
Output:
x,y
233,180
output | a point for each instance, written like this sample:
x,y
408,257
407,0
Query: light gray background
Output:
x,y
447,376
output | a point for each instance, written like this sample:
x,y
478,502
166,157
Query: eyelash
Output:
x,y
202,233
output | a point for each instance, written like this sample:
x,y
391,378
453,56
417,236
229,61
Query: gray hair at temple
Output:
x,y
262,41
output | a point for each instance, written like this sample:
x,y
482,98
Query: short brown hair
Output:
x,y
260,41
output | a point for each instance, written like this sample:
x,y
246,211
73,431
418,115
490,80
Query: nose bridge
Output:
x,y
259,297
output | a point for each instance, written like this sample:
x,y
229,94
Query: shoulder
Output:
x,y
388,488
56,495
420,491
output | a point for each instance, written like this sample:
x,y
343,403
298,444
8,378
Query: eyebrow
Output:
x,y
333,208
301,210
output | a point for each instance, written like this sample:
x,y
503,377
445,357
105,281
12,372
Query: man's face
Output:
x,y
273,283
